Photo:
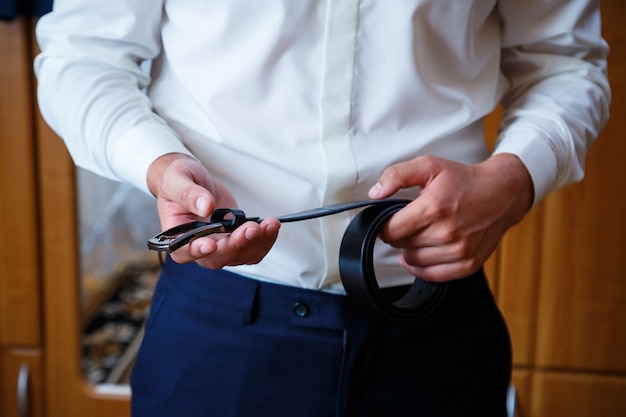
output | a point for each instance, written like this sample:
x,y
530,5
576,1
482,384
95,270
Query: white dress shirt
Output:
x,y
295,104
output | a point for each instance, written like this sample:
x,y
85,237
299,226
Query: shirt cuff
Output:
x,y
536,153
133,153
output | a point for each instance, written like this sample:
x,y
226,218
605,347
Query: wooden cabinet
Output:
x,y
40,371
557,276
22,382
20,285
68,394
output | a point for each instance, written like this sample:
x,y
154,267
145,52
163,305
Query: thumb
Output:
x,y
188,184
417,172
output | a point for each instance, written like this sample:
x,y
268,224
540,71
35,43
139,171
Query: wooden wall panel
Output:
x,y
575,395
19,279
522,382
582,305
519,279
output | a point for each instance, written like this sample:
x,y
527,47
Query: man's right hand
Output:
x,y
187,192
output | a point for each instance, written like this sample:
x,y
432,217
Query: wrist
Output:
x,y
514,181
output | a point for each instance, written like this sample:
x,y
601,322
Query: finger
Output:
x,y
206,247
187,188
408,227
258,242
196,249
186,193
442,272
248,244
417,226
434,255
417,172
246,237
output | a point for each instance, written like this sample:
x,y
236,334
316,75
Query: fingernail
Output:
x,y
250,233
202,205
376,190
205,249
272,229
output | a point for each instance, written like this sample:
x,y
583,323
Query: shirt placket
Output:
x,y
335,110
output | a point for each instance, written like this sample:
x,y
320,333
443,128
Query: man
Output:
x,y
281,106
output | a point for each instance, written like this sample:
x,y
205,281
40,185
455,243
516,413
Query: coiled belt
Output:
x,y
356,265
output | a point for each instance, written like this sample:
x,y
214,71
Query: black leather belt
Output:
x,y
356,264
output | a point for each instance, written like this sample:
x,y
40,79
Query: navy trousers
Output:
x,y
219,344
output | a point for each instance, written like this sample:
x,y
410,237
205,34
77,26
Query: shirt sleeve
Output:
x,y
90,74
554,58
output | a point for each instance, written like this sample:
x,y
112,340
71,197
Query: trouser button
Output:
x,y
300,309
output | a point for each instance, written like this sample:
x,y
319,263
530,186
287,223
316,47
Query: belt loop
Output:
x,y
250,307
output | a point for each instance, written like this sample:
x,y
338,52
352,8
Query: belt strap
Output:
x,y
356,267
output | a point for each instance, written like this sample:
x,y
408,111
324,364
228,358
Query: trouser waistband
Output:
x,y
304,307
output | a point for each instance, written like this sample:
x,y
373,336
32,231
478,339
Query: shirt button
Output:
x,y
300,309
